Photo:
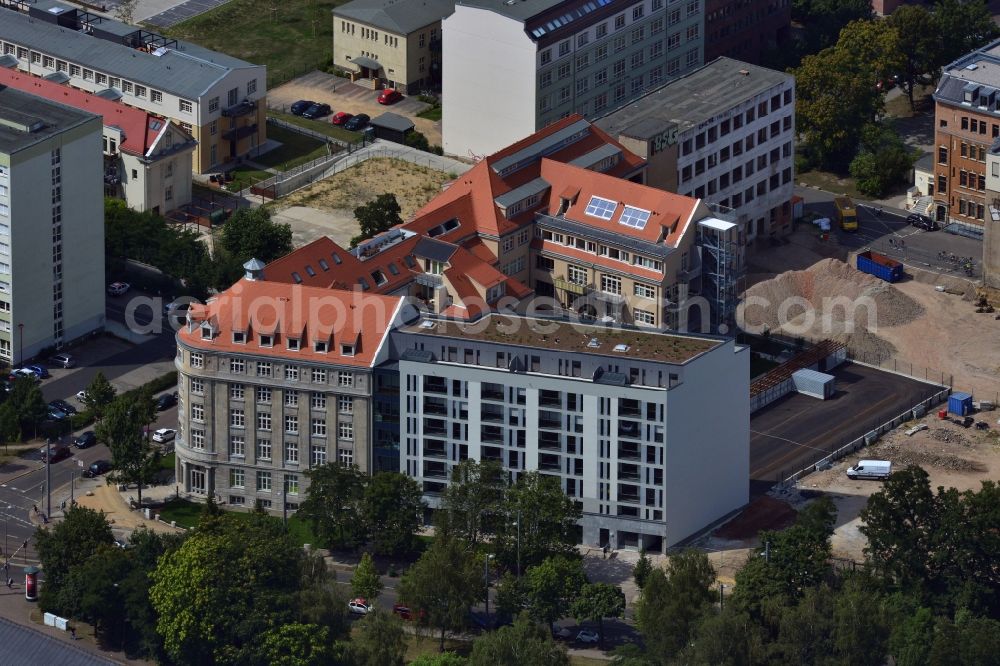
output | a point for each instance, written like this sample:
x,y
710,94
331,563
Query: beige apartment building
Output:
x,y
273,380
396,44
218,99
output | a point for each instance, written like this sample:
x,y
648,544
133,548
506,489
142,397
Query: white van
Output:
x,y
870,469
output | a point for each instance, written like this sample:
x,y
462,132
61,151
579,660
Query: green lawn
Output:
x,y
183,512
291,38
295,149
321,126
433,113
187,514
168,461
245,176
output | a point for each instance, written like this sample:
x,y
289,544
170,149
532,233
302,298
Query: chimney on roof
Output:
x,y
254,270
745,72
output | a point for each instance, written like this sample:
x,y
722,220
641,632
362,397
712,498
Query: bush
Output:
x,y
417,140
81,420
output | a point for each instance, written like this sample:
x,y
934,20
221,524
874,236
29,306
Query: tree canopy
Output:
x,y
443,585
522,644
67,544
597,601
378,215
393,512
122,429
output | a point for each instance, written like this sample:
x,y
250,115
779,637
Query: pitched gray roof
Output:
x,y
28,647
187,70
399,16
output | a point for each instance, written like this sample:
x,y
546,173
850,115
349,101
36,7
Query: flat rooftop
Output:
x,y
26,119
522,10
797,431
557,335
692,99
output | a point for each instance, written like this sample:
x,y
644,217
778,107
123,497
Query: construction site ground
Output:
x,y
326,207
797,430
953,456
946,338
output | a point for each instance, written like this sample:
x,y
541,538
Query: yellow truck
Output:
x,y
846,213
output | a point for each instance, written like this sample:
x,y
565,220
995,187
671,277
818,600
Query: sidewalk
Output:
x,y
96,494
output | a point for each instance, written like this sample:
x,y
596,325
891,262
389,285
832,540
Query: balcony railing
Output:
x,y
629,429
435,408
488,394
628,452
492,416
550,423
435,387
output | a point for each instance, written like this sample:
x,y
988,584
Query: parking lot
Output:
x,y
342,95
797,431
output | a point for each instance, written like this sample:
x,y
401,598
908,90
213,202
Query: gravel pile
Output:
x,y
828,300
949,437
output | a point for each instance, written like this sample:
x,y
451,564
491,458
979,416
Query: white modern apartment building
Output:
x,y
51,203
511,68
218,99
648,431
725,134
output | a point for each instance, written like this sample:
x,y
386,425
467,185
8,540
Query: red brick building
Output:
x,y
744,29
967,123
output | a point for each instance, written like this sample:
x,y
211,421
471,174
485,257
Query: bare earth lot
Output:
x,y
327,207
938,331
953,456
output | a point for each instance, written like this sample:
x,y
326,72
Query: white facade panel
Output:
x,y
488,82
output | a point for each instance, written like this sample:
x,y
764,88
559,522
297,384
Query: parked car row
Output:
x,y
349,121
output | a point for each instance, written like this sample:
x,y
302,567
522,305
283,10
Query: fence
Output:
x,y
319,136
871,436
900,367
287,182
926,260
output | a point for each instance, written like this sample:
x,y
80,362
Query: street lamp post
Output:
x,y
20,354
486,575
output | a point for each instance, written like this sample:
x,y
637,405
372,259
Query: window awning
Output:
x,y
365,61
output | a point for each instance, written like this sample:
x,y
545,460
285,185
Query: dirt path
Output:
x,y
109,500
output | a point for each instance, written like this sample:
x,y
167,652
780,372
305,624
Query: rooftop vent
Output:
x,y
427,324
972,67
621,349
745,72
594,343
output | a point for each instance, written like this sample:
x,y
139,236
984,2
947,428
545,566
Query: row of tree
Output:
x,y
181,253
928,593
840,97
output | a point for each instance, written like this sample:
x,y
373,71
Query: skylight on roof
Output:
x,y
634,217
601,208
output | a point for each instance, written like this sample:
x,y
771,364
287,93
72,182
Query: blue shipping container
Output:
x,y
960,404
880,266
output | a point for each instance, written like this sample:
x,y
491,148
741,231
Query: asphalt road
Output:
x,y
889,234
159,348
797,431
19,495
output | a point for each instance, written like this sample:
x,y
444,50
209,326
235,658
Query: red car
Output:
x,y
341,117
405,613
389,96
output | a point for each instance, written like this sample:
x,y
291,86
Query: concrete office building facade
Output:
x,y
543,61
724,134
217,99
629,429
51,203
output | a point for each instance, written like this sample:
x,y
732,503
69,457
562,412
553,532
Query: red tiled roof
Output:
x,y
334,316
669,213
140,128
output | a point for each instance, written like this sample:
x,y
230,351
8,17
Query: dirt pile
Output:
x,y
830,299
903,456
